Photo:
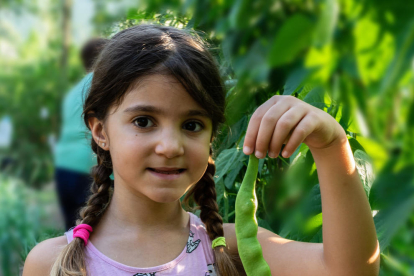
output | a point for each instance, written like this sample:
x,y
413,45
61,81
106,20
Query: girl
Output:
x,y
155,105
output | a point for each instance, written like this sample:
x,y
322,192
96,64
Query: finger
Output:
x,y
254,124
305,127
284,127
267,127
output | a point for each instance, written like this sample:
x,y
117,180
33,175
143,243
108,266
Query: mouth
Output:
x,y
167,172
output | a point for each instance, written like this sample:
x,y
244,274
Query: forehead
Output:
x,y
164,92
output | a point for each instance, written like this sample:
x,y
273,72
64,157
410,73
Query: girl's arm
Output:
x,y
350,243
350,246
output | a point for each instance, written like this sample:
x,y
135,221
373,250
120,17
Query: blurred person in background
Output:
x,y
73,156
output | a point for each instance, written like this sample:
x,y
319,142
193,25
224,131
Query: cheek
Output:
x,y
126,153
198,162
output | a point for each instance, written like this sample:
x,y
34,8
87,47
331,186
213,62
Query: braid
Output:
x,y
204,194
71,261
101,192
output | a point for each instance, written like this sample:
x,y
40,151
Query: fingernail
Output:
x,y
285,153
271,155
259,154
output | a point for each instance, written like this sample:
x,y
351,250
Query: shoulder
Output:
x,y
41,258
87,78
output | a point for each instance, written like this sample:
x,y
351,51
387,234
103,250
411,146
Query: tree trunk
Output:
x,y
66,18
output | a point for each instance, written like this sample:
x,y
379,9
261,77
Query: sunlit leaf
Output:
x,y
369,45
402,60
375,150
365,170
326,23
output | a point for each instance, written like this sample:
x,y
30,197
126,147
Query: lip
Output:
x,y
168,169
166,176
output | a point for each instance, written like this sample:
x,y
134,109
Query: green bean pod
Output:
x,y
248,245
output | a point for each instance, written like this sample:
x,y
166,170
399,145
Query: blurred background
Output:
x,y
350,58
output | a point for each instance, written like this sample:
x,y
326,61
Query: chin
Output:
x,y
166,197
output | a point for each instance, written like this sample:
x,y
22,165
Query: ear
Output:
x,y
98,133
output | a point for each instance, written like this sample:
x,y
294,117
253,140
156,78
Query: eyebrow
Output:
x,y
153,109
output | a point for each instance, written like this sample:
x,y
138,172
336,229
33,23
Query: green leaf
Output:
x,y
313,203
240,99
313,224
293,37
263,223
391,187
237,130
238,14
303,222
316,97
253,64
375,150
369,45
326,22
402,60
410,116
365,170
261,163
395,265
318,237
226,161
299,155
295,80
388,221
355,145
219,191
231,176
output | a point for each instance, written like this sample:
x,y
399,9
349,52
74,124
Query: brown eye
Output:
x,y
141,122
193,124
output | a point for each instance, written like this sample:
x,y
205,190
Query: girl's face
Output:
x,y
170,136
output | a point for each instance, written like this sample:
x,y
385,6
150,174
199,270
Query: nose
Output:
x,y
170,143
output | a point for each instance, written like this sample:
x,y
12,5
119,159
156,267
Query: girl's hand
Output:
x,y
285,119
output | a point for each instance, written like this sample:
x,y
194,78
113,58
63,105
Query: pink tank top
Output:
x,y
196,259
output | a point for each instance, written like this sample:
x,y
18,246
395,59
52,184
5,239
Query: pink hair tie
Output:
x,y
82,231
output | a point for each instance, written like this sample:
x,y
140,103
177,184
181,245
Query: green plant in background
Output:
x,y
31,92
352,59
24,222
17,226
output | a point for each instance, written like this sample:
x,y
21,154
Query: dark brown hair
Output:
x,y
90,51
128,56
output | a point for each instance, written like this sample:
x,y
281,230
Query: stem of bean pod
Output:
x,y
281,158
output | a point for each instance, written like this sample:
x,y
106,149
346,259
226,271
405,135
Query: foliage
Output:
x,y
23,222
29,92
352,59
